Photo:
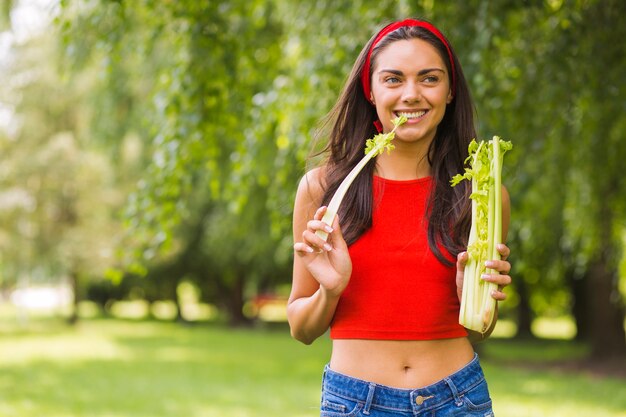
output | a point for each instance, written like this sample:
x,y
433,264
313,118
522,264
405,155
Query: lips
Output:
x,y
412,114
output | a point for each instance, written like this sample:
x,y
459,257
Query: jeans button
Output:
x,y
419,400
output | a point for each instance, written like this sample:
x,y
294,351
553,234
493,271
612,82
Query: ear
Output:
x,y
372,98
450,97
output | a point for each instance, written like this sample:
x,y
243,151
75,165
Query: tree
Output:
x,y
564,117
237,89
61,224
227,145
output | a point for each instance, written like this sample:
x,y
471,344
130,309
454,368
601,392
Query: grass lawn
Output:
x,y
112,368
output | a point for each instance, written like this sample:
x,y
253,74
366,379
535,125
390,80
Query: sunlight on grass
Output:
x,y
533,351
504,328
88,309
519,392
554,327
542,327
164,310
153,369
521,383
66,346
137,309
199,311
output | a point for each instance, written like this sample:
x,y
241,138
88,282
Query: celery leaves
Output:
x,y
382,141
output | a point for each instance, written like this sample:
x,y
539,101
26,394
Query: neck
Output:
x,y
406,162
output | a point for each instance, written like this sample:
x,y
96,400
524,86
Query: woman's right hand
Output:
x,y
328,261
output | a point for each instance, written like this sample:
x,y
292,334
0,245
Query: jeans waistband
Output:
x,y
448,389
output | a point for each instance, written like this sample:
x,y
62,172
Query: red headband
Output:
x,y
365,74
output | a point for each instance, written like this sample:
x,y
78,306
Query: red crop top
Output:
x,y
398,290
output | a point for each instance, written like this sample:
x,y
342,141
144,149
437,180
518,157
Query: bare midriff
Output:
x,y
400,364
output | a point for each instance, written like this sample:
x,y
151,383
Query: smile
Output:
x,y
411,115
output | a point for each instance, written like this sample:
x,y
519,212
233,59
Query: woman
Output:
x,y
387,282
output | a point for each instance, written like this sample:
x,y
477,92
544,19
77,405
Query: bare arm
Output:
x,y
321,270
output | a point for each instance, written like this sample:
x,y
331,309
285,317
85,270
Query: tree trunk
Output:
x,y
580,287
236,303
230,297
180,318
608,339
73,318
606,309
524,312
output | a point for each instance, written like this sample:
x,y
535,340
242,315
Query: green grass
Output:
x,y
544,378
151,369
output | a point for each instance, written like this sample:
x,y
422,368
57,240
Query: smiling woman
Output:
x,y
410,79
385,282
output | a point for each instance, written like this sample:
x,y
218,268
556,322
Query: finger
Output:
x,y
313,240
504,250
302,249
320,213
504,267
498,295
315,225
461,260
501,280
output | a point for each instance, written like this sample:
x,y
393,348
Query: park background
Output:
x,y
149,155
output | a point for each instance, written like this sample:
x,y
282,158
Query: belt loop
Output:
x,y
370,397
457,398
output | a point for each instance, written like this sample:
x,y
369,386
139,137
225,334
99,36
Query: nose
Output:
x,y
411,92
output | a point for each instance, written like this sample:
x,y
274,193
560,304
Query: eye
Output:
x,y
391,80
431,79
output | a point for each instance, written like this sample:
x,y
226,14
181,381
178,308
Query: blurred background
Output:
x,y
149,156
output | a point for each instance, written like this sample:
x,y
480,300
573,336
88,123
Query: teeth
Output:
x,y
412,115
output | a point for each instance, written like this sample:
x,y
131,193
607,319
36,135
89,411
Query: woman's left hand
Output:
x,y
501,276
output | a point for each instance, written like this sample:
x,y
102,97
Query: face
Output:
x,y
410,78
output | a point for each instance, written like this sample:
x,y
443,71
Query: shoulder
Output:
x,y
312,185
308,199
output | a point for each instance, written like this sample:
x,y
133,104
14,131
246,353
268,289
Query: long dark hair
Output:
x,y
350,123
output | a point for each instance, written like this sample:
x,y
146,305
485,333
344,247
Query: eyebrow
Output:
x,y
422,72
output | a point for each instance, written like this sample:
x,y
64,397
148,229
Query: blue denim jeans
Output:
x,y
463,393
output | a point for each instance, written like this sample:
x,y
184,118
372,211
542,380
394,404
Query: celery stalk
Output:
x,y
373,147
485,171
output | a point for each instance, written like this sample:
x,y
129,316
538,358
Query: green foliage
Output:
x,y
202,115
5,14
544,89
231,111
56,185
